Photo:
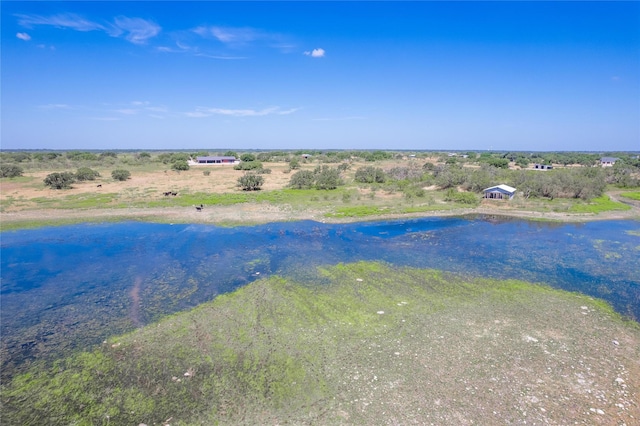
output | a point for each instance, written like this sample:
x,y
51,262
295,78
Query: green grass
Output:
x,y
598,205
279,351
634,195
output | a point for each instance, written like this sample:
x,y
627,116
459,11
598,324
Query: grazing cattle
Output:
x,y
200,207
166,194
174,193
99,186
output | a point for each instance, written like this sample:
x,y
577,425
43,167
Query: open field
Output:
x,y
25,201
365,344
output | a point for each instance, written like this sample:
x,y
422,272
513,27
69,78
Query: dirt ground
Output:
x,y
22,199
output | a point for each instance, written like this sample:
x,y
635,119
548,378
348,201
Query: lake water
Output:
x,y
70,287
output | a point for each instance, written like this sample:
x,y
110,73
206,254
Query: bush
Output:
x,y
85,173
248,157
327,178
180,165
10,170
250,181
294,164
206,172
370,174
121,174
304,179
81,156
248,165
461,197
60,180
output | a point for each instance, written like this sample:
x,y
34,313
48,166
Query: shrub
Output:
x,y
327,178
248,165
248,157
370,174
250,181
60,180
294,164
10,170
180,165
206,172
85,173
303,179
81,156
121,174
461,197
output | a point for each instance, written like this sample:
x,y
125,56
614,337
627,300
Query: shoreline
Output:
x,y
254,214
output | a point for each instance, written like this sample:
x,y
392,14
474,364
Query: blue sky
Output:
x,y
540,76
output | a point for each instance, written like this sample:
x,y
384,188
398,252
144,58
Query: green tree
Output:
x,y
248,165
303,179
370,174
231,154
180,165
60,180
250,181
121,174
248,157
294,164
327,178
10,170
85,173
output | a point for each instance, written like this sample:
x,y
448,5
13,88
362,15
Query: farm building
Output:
x,y
542,167
608,161
216,160
499,192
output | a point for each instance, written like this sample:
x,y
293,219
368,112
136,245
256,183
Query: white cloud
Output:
x,y
340,118
135,30
23,36
316,53
207,112
55,106
127,111
231,35
61,20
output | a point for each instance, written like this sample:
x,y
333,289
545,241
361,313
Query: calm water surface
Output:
x,y
71,287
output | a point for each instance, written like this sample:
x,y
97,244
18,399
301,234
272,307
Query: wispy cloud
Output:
x,y
316,53
105,118
242,37
61,20
142,107
135,30
229,35
340,118
23,36
208,112
55,106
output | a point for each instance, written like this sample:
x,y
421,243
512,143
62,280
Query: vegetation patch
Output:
x,y
598,205
635,195
361,343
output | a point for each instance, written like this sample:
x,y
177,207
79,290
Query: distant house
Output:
x,y
499,192
216,160
542,167
608,161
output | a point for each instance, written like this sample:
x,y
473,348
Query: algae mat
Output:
x,y
372,344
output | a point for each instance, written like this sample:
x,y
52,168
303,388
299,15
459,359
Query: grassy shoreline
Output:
x,y
372,344
259,213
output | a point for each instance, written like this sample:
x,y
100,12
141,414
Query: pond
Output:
x,y
67,288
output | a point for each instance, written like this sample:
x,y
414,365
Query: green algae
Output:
x,y
279,351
